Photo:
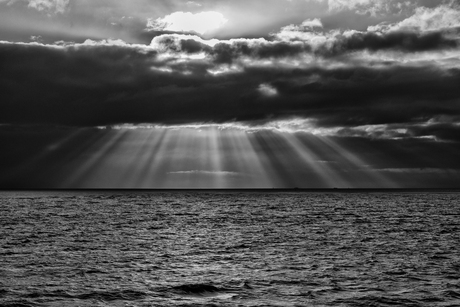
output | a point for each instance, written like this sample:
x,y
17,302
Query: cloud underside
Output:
x,y
109,85
392,81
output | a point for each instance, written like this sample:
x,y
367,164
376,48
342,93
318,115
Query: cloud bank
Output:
x,y
395,80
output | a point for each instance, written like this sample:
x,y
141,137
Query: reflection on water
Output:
x,y
229,249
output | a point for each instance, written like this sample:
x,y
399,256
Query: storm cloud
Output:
x,y
391,74
110,83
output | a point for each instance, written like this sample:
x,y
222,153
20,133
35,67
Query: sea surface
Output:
x,y
235,248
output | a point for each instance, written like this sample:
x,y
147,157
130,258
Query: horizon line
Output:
x,y
294,189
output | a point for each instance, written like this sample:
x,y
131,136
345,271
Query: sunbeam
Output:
x,y
246,160
151,158
209,156
97,158
276,157
361,171
330,177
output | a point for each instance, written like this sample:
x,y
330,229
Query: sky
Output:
x,y
229,94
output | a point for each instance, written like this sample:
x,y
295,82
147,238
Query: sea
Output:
x,y
229,248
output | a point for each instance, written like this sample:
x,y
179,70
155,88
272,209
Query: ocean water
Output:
x,y
202,248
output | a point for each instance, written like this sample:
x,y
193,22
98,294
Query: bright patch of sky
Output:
x,y
202,23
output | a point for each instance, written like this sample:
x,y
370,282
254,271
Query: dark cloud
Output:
x,y
91,85
362,96
398,40
228,51
441,131
332,45
181,43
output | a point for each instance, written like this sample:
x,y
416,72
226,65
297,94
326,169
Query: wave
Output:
x,y
128,295
197,289
378,301
206,290
21,303
451,293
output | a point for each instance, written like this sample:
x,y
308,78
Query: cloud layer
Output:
x,y
395,80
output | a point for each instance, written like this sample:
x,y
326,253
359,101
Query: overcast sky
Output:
x,y
229,93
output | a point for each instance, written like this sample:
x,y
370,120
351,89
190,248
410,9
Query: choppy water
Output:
x,y
229,249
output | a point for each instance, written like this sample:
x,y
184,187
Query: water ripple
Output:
x,y
229,249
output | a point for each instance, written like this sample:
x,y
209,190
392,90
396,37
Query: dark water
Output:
x,y
229,249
